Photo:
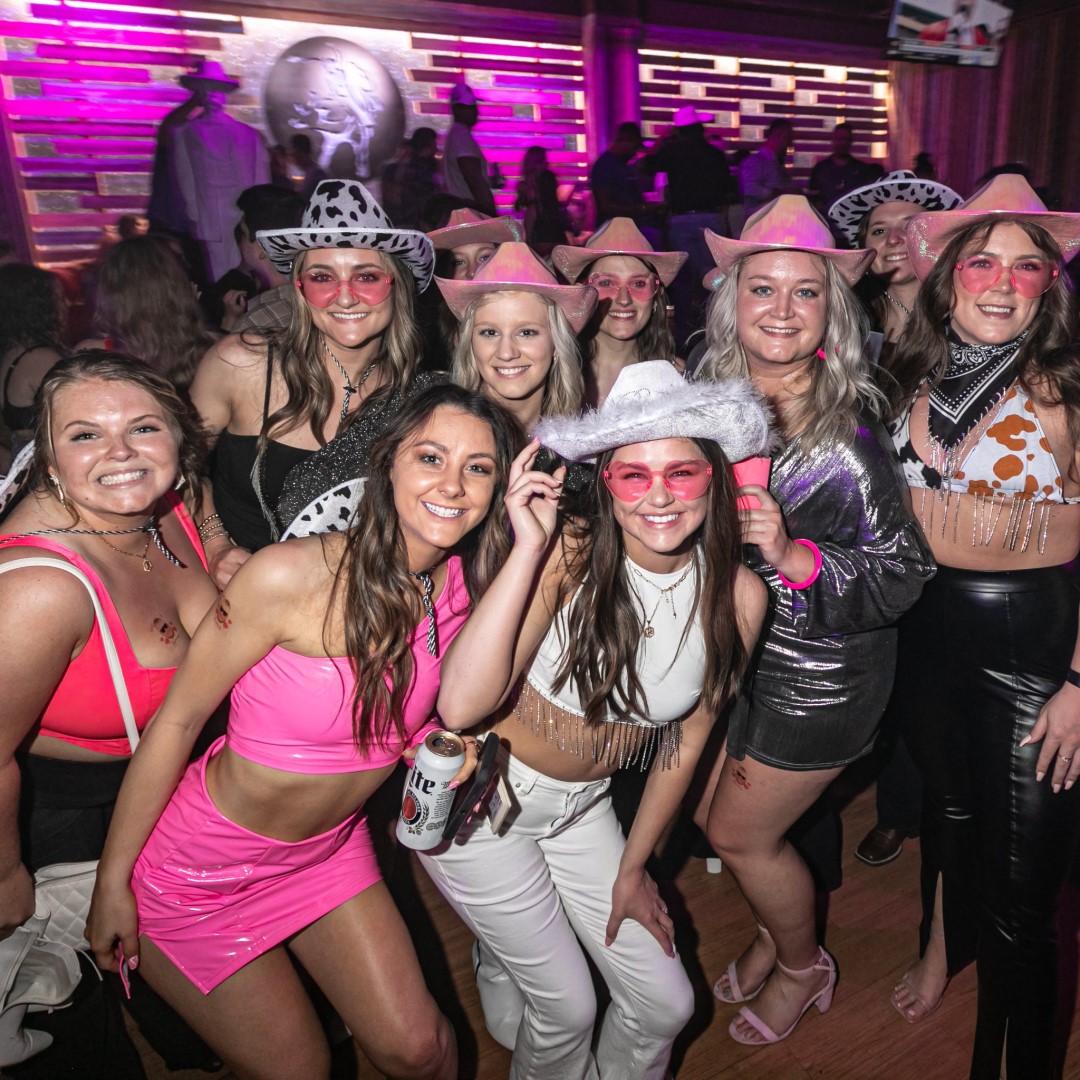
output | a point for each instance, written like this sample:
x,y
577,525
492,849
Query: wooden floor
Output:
x,y
871,932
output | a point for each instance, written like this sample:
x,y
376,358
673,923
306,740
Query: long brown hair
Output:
x,y
924,345
603,622
381,604
116,367
298,350
655,342
146,305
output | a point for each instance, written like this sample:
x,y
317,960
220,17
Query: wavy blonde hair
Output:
x,y
564,390
840,387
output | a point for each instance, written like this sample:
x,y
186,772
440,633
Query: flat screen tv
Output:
x,y
948,31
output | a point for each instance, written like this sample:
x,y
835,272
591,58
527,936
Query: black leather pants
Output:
x,y
979,656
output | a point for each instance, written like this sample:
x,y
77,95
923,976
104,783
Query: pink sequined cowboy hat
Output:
x,y
619,236
471,227
787,223
1008,197
516,268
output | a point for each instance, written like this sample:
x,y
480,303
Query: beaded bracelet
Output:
x,y
207,525
214,536
809,544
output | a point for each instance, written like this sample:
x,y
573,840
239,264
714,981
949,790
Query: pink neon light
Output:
x,y
512,126
107,95
134,18
130,203
80,110
64,128
118,56
60,183
34,69
83,165
147,38
547,82
470,48
477,63
104,146
514,97
72,221
437,108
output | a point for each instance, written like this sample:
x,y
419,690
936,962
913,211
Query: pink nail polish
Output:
x,y
452,786
1038,777
133,963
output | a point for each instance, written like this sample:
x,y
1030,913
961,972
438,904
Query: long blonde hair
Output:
x,y
840,385
565,387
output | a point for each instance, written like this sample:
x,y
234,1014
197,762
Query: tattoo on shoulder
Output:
x,y
222,614
168,631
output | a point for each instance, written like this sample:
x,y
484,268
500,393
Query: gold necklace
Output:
x,y
647,629
147,565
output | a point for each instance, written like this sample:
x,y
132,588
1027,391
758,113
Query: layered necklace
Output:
x,y
348,387
647,628
153,536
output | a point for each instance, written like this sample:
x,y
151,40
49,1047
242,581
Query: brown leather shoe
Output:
x,y
880,846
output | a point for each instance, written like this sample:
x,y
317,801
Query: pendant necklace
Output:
x,y
647,628
348,387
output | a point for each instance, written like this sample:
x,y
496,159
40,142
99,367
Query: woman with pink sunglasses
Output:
x,y
631,318
295,414
986,407
612,641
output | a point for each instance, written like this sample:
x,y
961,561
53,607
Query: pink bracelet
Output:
x,y
813,574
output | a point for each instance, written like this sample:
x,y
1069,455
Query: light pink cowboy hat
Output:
x,y
471,227
619,236
787,223
1008,197
516,268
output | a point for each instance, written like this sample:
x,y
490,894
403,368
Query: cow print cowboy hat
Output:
x,y
343,213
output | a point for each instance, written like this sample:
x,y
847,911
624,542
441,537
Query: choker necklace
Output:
x,y
899,303
150,528
425,579
647,629
348,387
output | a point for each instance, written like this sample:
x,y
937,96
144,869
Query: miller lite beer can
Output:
x,y
428,800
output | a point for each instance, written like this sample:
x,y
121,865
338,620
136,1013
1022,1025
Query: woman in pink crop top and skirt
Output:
x,y
112,442
209,875
611,641
987,419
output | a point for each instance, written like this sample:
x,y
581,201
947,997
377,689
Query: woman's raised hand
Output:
x,y
532,500
764,526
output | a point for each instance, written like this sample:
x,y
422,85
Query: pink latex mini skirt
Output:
x,y
213,895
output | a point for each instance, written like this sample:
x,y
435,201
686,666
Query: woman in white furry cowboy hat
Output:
x,y
843,558
344,365
614,640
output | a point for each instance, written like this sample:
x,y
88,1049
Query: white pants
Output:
x,y
529,895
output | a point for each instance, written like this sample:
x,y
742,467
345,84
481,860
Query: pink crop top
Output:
x,y
295,713
83,709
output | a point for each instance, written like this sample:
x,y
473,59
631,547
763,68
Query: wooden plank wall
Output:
x,y
1027,110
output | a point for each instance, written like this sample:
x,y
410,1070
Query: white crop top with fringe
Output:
x,y
670,664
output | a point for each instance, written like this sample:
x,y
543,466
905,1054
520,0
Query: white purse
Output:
x,y
39,968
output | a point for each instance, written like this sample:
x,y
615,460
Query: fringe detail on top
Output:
x,y
614,743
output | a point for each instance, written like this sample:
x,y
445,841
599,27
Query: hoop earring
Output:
x,y
55,481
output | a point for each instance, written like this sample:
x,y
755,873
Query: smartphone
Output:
x,y
474,792
547,461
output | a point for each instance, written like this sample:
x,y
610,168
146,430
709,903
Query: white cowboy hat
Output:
x,y
342,213
651,400
848,211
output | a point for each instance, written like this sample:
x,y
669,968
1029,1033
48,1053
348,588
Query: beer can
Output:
x,y
427,800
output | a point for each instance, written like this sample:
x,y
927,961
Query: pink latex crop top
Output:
x,y
295,713
83,709
1013,457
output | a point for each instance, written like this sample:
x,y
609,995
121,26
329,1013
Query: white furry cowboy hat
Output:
x,y
343,214
651,400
